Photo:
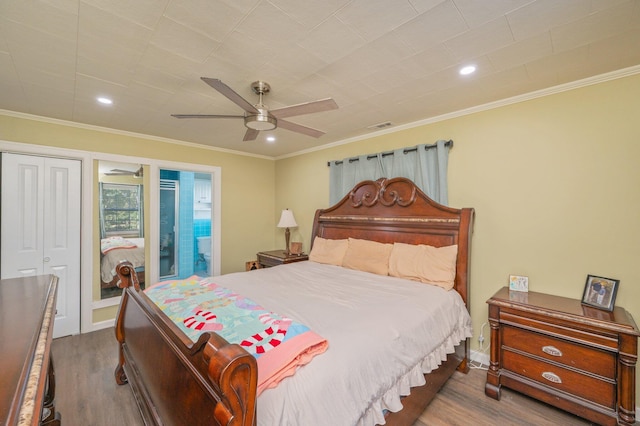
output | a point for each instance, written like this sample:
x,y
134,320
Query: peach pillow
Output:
x,y
427,264
367,256
328,251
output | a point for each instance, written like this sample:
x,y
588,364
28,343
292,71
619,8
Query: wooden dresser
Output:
x,y
577,358
27,380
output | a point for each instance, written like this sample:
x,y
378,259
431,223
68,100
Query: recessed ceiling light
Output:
x,y
469,69
105,101
271,138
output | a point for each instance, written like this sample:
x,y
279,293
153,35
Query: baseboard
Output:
x,y
480,358
103,324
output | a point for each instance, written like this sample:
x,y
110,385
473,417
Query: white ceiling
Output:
x,y
381,60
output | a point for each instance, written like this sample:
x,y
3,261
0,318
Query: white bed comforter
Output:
x,y
383,334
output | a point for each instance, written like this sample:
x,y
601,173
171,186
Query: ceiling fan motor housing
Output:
x,y
262,121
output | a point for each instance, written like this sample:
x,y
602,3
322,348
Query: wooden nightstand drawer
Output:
x,y
561,351
600,391
603,338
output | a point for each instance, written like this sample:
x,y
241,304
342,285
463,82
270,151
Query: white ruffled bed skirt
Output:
x,y
392,399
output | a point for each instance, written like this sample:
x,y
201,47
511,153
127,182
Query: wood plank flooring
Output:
x,y
87,394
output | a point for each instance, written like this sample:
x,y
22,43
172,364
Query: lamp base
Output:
x,y
287,234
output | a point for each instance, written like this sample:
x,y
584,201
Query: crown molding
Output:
x,y
92,127
614,75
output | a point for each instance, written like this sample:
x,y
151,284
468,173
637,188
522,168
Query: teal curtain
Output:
x,y
425,165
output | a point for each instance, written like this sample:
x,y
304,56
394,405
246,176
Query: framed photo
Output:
x,y
296,248
600,292
251,265
518,283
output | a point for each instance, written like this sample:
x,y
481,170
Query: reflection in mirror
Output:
x,y
121,219
185,215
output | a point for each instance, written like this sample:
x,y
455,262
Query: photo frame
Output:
x,y
251,265
296,248
600,292
518,283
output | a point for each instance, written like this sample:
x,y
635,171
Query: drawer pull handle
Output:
x,y
551,377
551,350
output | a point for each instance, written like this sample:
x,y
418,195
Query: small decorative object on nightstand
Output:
x,y
518,283
251,265
267,259
558,350
296,248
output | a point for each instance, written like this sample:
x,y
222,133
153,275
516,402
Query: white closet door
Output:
x,y
41,228
61,216
22,212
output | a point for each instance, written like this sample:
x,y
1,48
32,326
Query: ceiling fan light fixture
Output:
x,y
257,117
260,122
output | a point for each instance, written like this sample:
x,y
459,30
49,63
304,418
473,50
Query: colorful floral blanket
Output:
x,y
279,344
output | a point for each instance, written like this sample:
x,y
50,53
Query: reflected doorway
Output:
x,y
185,224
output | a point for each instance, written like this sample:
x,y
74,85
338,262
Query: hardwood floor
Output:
x,y
87,394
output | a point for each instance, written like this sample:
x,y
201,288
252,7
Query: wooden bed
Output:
x,y
212,382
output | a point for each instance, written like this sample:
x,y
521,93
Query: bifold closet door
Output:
x,y
41,228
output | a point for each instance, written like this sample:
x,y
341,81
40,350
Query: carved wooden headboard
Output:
x,y
396,210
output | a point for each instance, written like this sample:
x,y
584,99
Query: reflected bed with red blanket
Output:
x,y
384,333
114,250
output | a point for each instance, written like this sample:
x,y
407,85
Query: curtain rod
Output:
x,y
448,143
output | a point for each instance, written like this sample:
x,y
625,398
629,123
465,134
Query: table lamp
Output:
x,y
287,221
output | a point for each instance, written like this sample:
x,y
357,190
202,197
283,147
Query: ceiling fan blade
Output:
x,y
230,94
205,116
251,135
305,108
300,128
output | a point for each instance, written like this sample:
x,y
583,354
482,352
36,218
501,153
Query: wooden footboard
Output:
x,y
175,381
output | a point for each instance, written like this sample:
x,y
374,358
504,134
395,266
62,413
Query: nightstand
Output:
x,y
575,357
267,259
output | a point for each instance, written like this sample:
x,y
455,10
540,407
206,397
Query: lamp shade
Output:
x,y
287,220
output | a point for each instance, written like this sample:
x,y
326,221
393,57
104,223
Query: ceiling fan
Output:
x,y
258,117
120,172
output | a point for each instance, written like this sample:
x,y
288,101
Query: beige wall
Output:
x,y
248,191
555,182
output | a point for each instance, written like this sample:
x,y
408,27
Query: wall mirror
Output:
x,y
121,222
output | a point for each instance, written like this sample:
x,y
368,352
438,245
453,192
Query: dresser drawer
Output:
x,y
599,391
595,361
